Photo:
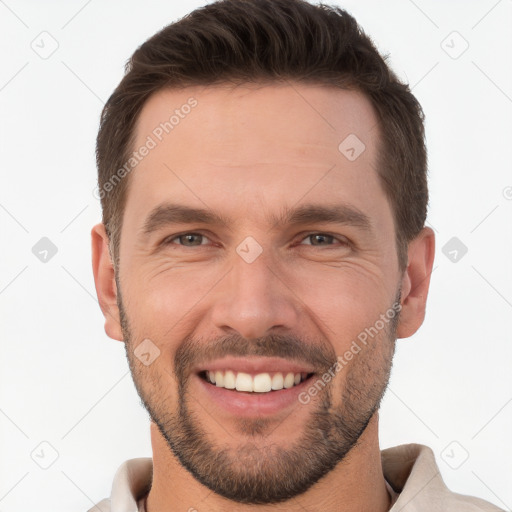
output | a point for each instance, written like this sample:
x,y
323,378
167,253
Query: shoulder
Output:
x,y
412,471
131,482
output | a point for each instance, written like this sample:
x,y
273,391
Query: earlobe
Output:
x,y
416,282
104,279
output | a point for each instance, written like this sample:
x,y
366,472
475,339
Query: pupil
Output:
x,y
190,238
321,238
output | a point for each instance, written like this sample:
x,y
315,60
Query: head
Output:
x,y
262,174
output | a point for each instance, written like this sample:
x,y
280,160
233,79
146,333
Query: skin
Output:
x,y
247,153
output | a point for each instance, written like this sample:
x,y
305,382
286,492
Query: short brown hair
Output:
x,y
252,41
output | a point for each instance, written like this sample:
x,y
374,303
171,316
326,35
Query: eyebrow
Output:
x,y
343,214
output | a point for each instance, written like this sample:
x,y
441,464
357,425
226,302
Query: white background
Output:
x,y
64,382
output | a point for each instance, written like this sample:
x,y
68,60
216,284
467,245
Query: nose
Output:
x,y
254,299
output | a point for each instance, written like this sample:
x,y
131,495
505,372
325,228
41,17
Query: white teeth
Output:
x,y
229,380
244,382
219,379
260,383
289,380
277,381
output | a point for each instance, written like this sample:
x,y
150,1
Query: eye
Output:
x,y
323,239
186,240
198,239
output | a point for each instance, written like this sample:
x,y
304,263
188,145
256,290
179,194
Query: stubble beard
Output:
x,y
255,471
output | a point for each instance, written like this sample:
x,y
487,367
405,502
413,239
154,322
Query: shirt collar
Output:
x,y
410,469
132,481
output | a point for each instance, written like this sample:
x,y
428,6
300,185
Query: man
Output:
x,y
263,182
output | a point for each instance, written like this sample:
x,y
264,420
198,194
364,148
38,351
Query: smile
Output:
x,y
254,383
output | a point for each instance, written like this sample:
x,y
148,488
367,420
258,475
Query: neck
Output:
x,y
356,483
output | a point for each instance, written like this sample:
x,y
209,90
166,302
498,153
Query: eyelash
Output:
x,y
343,242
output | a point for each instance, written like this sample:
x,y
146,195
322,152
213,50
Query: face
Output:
x,y
257,252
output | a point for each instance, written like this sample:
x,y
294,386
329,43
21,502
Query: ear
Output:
x,y
105,282
416,282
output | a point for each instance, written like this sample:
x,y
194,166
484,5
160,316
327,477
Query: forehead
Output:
x,y
258,144
296,113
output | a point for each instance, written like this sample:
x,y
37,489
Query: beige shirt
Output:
x,y
412,477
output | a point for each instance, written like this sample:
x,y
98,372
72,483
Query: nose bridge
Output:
x,y
251,299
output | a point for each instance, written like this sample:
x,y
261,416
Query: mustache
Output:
x,y
192,351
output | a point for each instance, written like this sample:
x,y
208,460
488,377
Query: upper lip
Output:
x,y
255,365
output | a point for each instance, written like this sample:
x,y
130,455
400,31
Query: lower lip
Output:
x,y
245,404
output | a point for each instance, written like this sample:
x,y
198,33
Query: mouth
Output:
x,y
265,382
253,386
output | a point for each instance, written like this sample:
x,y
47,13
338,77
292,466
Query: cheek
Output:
x,y
159,297
344,300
